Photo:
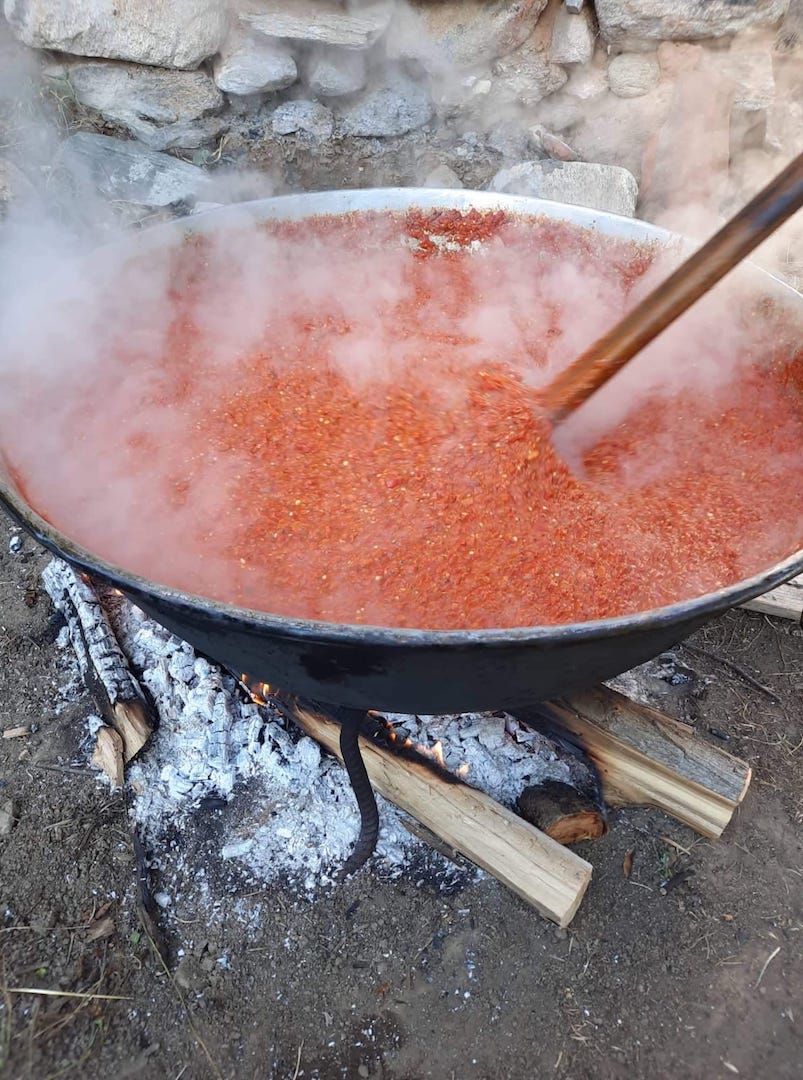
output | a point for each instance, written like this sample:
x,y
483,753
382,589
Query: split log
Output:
x,y
99,655
130,720
420,832
646,758
562,812
536,867
108,755
785,602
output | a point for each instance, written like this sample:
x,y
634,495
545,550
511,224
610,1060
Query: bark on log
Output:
x,y
99,655
534,866
646,758
562,812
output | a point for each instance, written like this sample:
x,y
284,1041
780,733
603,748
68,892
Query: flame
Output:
x,y
435,751
259,693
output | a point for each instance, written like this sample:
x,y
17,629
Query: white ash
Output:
x,y
70,684
92,638
503,756
296,817
94,723
300,820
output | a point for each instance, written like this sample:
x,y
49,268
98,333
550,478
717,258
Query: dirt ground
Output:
x,y
404,979
401,980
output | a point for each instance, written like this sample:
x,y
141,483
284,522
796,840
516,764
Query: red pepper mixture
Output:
x,y
347,432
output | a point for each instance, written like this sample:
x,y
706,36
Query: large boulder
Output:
x,y
129,173
162,108
324,21
336,72
14,185
573,37
790,35
626,23
463,32
633,74
529,74
393,107
178,34
749,67
599,187
685,172
308,118
249,65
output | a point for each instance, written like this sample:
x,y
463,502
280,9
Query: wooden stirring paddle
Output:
x,y
755,222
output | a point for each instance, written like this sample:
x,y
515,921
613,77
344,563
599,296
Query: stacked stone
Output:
x,y
579,100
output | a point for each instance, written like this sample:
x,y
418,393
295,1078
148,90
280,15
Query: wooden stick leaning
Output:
x,y
646,758
537,868
777,202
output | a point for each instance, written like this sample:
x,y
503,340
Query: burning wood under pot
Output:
x,y
618,752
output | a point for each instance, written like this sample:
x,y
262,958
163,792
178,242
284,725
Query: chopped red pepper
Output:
x,y
376,458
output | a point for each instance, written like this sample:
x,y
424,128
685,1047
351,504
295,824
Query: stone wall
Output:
x,y
671,103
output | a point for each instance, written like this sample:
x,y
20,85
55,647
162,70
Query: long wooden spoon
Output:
x,y
755,222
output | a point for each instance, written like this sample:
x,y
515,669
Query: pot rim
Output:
x,y
329,203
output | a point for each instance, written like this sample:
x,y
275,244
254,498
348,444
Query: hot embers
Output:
x,y
337,423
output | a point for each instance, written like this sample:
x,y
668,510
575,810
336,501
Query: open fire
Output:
x,y
261,693
217,745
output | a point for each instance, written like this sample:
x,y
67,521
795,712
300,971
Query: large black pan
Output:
x,y
420,671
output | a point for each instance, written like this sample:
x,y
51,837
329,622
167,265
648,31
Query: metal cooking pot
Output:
x,y
405,670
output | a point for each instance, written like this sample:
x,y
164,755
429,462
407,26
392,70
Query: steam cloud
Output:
x,y
65,316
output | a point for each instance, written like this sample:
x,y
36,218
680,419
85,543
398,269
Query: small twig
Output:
x,y
767,963
190,1023
737,669
147,910
298,1061
675,844
68,993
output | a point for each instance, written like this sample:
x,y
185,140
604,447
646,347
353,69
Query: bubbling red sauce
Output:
x,y
344,429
